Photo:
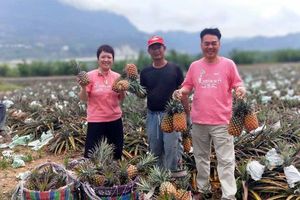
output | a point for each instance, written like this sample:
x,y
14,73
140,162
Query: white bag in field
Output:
x,y
292,175
273,159
255,169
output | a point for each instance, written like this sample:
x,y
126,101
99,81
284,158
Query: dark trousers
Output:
x,y
112,131
2,116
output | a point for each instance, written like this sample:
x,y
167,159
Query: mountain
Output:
x,y
49,29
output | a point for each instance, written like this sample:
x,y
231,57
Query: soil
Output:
x,y
8,175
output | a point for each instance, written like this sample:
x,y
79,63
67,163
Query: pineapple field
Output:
x,y
266,128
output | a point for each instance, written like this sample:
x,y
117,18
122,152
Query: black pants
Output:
x,y
112,131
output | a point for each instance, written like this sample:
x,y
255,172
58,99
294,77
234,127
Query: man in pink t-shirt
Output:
x,y
212,78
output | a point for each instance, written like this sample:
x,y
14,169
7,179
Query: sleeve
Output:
x,y
235,79
188,81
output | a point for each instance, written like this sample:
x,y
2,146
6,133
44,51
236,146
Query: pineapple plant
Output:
x,y
131,71
82,75
123,173
86,171
143,165
137,89
102,154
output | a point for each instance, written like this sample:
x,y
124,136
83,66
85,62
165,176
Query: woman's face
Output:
x,y
105,61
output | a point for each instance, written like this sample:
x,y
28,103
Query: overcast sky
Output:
x,y
235,18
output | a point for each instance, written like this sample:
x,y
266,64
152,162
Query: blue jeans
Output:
x,y
166,146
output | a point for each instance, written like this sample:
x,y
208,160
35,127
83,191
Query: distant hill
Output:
x,y
48,29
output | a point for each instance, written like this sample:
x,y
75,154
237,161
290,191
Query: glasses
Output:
x,y
155,46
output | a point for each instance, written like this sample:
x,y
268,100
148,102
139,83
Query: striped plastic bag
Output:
x,y
67,192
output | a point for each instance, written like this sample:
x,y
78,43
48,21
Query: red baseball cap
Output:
x,y
155,39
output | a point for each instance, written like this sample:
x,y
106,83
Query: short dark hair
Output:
x,y
107,49
211,31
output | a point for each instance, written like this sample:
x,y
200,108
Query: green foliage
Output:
x,y
60,68
251,57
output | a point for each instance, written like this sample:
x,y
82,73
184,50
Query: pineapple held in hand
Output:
x,y
131,71
175,117
82,75
236,123
250,120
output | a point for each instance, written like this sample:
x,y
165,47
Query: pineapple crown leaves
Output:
x,y
287,152
76,64
242,170
239,108
174,106
102,153
144,186
145,162
159,175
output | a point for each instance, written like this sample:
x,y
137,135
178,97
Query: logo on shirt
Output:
x,y
209,81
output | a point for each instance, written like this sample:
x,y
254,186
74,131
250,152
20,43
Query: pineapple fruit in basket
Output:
x,y
82,75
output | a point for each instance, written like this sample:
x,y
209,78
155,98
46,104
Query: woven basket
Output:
x,y
120,192
67,192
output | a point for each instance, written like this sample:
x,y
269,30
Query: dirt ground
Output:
x,y
8,176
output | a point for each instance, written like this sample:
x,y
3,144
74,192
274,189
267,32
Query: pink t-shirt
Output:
x,y
212,85
103,104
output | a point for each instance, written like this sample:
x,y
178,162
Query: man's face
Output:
x,y
156,51
210,46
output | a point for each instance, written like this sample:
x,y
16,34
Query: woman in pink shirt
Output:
x,y
104,115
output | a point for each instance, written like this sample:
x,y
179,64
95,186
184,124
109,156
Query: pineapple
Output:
x,y
131,71
182,194
187,144
235,126
175,110
179,117
251,122
98,180
145,162
114,85
122,85
167,123
236,123
82,75
167,188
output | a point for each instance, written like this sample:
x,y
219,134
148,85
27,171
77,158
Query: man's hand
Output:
x,y
240,92
177,94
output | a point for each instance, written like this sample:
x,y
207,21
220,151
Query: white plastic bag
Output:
x,y
255,169
292,175
273,159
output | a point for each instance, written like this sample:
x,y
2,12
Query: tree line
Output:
x,y
60,68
